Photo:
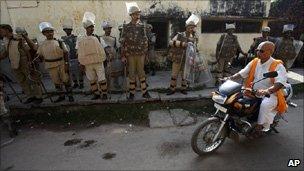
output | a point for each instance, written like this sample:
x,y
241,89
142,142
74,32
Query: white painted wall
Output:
x,y
30,13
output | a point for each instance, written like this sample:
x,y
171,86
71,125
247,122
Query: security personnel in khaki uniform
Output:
x,y
91,56
55,55
258,40
134,50
18,51
177,54
227,47
70,40
151,61
285,50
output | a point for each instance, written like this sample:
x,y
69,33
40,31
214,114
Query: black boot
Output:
x,y
147,69
152,69
184,92
104,97
38,101
131,96
153,73
146,95
71,99
170,92
59,99
75,85
80,84
29,100
95,97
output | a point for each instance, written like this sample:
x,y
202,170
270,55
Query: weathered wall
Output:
x,y
30,13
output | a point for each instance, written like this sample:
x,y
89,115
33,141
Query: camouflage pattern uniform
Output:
x,y
134,48
76,74
177,54
227,47
285,50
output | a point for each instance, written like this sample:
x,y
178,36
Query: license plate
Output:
x,y
221,108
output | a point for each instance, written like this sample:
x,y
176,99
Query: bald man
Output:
x,y
265,63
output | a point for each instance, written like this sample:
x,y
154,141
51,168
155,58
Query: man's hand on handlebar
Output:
x,y
261,93
224,79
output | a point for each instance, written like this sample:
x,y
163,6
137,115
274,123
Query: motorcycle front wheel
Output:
x,y
202,138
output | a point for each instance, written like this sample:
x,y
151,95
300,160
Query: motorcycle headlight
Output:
x,y
219,98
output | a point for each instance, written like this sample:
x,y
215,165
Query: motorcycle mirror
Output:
x,y
270,74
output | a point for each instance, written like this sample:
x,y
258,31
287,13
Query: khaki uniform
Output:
x,y
92,56
285,50
135,48
177,54
53,53
76,74
19,55
227,47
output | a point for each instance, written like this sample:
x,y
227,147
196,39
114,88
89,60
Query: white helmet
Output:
x,y
88,19
230,26
192,20
20,30
288,27
132,7
67,24
106,24
266,29
45,26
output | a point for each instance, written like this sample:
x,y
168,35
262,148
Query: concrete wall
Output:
x,y
30,13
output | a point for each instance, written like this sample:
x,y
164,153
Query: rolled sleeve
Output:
x,y
245,71
282,75
39,51
103,43
65,48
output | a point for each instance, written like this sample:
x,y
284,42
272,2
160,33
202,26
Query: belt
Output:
x,y
53,60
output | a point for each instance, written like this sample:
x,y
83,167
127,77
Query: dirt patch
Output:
x,y
171,148
72,142
109,156
87,143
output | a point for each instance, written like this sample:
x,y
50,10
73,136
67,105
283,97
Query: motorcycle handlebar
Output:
x,y
254,93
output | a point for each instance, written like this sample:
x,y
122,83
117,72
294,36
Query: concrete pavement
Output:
x,y
134,147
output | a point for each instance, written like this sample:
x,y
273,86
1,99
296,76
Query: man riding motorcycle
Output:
x,y
271,86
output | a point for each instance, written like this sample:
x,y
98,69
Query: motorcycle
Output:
x,y
237,110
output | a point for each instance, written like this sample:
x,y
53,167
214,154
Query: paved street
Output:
x,y
117,146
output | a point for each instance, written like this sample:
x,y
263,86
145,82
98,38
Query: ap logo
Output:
x,y
293,163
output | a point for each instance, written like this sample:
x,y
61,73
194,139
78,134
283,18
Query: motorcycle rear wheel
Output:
x,y
207,137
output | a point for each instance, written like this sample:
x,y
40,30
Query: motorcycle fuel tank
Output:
x,y
230,87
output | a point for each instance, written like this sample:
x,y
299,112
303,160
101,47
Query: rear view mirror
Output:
x,y
270,74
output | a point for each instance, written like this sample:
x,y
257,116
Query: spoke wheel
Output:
x,y
202,138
